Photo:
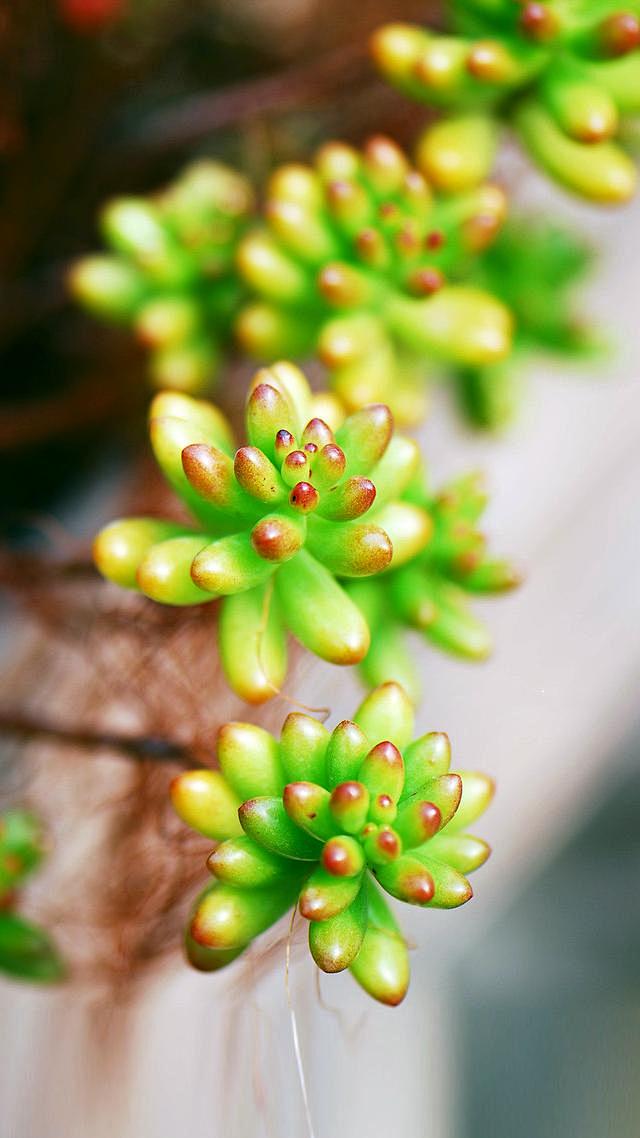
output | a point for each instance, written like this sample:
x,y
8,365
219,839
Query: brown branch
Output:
x,y
143,748
25,570
330,75
88,405
296,87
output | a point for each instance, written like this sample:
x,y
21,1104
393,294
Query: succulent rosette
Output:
x,y
432,593
358,262
170,276
330,822
278,522
534,266
564,73
26,951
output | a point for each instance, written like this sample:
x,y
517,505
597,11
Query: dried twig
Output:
x,y
87,405
198,115
21,725
22,571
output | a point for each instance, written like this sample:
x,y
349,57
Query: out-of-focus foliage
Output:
x,y
534,266
26,951
356,262
431,593
359,263
170,276
563,74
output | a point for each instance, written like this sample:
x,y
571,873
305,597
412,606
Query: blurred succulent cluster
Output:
x,y
564,74
534,267
359,263
170,275
280,535
325,821
356,262
431,593
26,951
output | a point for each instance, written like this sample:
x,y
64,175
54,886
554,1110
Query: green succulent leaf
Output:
x,y
336,941
27,952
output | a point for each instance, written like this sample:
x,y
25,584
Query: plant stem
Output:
x,y
198,115
23,570
143,748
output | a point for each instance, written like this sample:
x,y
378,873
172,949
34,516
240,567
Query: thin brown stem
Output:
x,y
295,87
22,571
143,748
88,405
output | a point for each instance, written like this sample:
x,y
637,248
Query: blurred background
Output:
x,y
524,1010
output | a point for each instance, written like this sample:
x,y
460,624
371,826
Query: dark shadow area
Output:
x,y
551,1012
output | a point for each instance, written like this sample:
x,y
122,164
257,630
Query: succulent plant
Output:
x,y
359,263
26,951
327,821
564,73
534,267
170,276
21,849
277,523
431,593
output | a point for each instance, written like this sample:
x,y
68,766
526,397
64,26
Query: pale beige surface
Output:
x,y
213,1058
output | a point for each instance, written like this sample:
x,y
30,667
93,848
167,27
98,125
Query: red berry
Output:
x,y
88,16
